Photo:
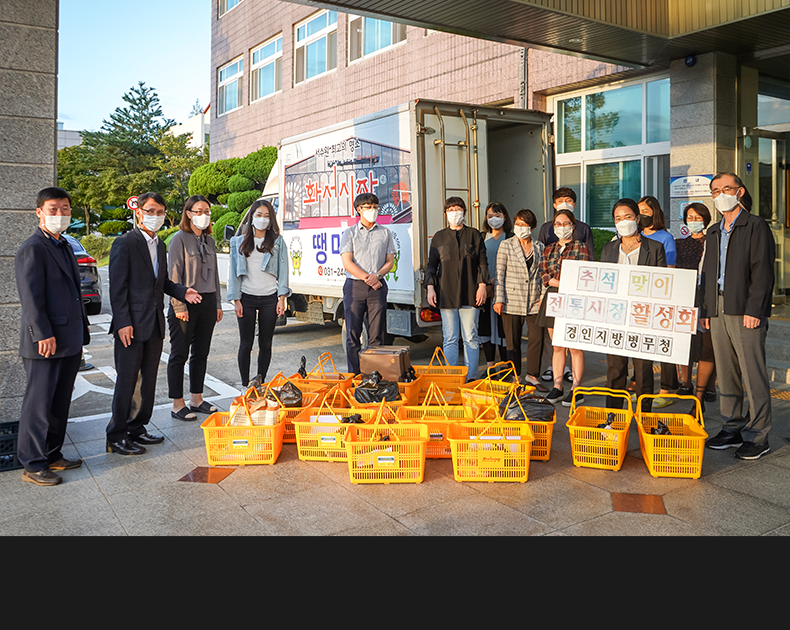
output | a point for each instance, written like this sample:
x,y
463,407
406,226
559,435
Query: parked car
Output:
x,y
89,276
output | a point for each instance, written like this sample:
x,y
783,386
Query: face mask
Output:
x,y
56,224
645,221
153,222
564,232
201,221
725,203
496,222
260,223
370,215
522,231
565,206
455,218
626,228
695,227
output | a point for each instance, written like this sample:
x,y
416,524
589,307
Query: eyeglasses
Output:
x,y
200,212
367,207
563,224
152,212
727,190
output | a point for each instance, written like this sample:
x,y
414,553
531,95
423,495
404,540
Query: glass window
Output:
x,y
229,86
226,5
606,183
368,35
772,110
266,70
570,177
614,118
658,111
569,125
316,46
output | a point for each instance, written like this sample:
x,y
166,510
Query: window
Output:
x,y
613,142
368,35
316,46
229,86
226,5
266,69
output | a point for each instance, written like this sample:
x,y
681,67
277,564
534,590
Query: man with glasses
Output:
x,y
138,282
54,329
738,277
368,253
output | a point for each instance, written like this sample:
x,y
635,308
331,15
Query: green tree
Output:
x,y
177,161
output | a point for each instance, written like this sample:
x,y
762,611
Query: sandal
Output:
x,y
183,414
204,407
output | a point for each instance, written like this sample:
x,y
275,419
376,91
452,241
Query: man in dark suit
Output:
x,y
54,329
138,282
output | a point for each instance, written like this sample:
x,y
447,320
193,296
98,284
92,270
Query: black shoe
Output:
x,y
752,450
725,439
42,478
555,395
125,447
146,438
568,377
547,376
710,396
684,391
568,400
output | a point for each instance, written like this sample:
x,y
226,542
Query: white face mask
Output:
x,y
455,218
496,222
564,232
260,223
153,222
626,228
725,203
565,206
201,221
56,224
695,227
522,231
370,215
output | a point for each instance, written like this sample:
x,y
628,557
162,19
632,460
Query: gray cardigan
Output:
x,y
193,263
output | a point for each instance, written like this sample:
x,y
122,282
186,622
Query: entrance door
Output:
x,y
772,202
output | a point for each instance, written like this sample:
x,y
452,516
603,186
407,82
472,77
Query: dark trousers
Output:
x,y
617,374
195,335
263,309
138,359
45,410
359,299
513,325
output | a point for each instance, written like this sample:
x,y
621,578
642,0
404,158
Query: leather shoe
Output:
x,y
146,438
42,478
65,464
125,447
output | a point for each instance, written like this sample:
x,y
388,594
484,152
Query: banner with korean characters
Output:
x,y
630,310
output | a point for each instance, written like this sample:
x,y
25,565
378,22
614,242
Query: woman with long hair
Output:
x,y
192,256
258,284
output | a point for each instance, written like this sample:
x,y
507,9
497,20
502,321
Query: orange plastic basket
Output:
x,y
436,415
320,434
492,451
439,371
480,395
676,455
411,391
322,376
386,453
542,431
311,395
599,448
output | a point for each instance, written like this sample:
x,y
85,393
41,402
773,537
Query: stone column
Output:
x,y
703,121
28,156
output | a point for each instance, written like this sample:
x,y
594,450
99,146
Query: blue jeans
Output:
x,y
457,322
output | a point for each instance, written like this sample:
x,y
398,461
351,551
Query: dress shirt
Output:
x,y
153,249
370,248
725,241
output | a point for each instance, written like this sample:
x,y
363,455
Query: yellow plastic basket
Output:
x,y
448,377
238,446
492,451
386,453
485,395
320,375
436,415
542,431
676,455
599,448
320,435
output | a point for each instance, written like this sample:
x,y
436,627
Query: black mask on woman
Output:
x,y
645,220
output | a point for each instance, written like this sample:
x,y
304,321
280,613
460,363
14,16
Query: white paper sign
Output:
x,y
630,310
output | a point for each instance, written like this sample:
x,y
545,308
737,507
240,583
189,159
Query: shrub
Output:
x,y
228,166
257,165
163,234
239,183
114,227
208,180
601,238
217,212
229,218
240,201
115,214
223,199
97,246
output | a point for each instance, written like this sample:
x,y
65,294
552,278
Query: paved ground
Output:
x,y
156,493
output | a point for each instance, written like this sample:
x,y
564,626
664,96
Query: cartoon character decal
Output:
x,y
295,252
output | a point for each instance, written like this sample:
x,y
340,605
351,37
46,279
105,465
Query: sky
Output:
x,y
106,47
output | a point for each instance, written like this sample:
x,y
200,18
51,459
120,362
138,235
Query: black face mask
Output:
x,y
645,220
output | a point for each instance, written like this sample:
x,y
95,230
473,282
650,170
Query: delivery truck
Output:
x,y
412,157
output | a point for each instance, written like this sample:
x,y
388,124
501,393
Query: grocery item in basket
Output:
x,y
302,371
608,424
289,395
373,389
537,408
354,418
409,376
660,429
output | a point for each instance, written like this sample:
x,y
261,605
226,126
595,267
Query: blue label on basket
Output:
x,y
240,443
386,459
437,437
328,439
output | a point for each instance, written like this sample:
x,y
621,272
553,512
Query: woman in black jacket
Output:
x,y
630,249
456,279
